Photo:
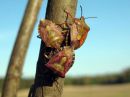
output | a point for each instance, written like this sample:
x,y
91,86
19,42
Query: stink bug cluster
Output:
x,y
64,38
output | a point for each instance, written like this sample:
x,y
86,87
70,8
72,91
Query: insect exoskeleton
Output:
x,y
78,30
61,62
50,34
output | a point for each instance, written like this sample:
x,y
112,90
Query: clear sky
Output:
x,y
106,50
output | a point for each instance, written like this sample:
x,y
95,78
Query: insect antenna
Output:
x,y
66,18
81,10
68,14
82,13
89,17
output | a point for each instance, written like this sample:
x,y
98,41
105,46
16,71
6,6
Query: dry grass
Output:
x,y
98,91
92,91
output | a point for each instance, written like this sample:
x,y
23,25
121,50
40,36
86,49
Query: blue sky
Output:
x,y
106,49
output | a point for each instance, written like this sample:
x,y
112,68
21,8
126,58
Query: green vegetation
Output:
x,y
123,77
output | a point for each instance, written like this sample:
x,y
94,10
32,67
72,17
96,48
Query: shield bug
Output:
x,y
62,61
50,34
78,30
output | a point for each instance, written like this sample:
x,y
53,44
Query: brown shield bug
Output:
x,y
61,62
50,33
78,30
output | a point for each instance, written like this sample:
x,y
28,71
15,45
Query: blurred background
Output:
x,y
102,65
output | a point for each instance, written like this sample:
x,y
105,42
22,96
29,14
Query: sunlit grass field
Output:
x,y
122,90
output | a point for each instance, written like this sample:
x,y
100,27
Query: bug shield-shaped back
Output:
x,y
61,62
50,34
78,30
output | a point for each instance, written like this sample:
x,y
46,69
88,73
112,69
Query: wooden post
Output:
x,y
13,75
45,84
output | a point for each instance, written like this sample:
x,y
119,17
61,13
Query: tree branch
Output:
x,y
47,84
